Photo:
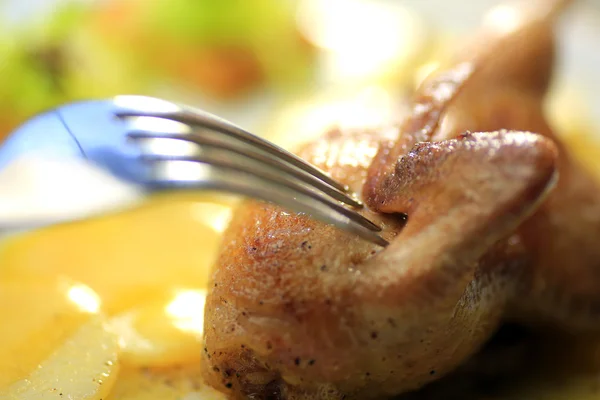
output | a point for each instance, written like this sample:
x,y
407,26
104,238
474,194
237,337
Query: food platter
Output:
x,y
152,313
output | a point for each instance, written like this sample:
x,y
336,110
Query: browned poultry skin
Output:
x,y
301,310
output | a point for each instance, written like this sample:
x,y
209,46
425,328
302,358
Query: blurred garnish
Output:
x,y
50,62
223,48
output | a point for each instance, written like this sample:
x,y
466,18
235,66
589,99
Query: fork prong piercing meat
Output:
x,y
499,222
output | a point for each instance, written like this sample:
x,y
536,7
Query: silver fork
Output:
x,y
161,146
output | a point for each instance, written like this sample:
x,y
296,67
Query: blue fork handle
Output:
x,y
44,134
88,130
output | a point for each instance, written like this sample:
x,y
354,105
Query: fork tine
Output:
x,y
195,117
242,149
220,157
221,178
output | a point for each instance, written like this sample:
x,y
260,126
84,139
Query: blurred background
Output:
x,y
283,69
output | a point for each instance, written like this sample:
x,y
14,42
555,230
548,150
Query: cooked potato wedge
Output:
x,y
38,316
53,343
84,367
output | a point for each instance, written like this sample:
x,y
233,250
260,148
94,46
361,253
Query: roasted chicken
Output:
x,y
488,219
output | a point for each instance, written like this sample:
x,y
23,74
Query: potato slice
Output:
x,y
176,383
163,332
37,316
53,341
126,258
84,368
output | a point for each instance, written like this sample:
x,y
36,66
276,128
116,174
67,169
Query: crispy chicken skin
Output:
x,y
499,222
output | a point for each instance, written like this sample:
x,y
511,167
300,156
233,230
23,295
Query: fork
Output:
x,y
161,146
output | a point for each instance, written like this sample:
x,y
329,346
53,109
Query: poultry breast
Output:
x,y
487,218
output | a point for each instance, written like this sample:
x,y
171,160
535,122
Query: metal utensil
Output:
x,y
160,146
